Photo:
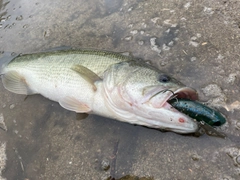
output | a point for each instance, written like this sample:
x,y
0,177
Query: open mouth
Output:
x,y
185,93
182,93
157,99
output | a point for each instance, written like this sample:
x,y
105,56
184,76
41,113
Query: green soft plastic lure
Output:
x,y
198,111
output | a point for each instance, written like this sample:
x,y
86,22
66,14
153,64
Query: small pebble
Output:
x,y
128,38
208,10
165,47
12,106
232,152
144,25
9,17
47,33
19,18
130,25
25,26
220,56
134,32
105,165
193,59
2,123
238,160
163,63
170,43
154,20
154,46
140,43
130,9
195,157
194,44
187,5
232,78
176,39
167,31
238,124
194,38
225,178
199,35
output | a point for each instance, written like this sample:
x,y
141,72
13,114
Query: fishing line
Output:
x,y
174,96
163,91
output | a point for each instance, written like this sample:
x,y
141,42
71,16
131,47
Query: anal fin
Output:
x,y
73,104
16,83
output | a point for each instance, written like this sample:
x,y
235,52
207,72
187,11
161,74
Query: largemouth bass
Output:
x,y
102,83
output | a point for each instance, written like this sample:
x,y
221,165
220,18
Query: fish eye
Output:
x,y
164,78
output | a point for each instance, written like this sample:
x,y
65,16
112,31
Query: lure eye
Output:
x,y
164,78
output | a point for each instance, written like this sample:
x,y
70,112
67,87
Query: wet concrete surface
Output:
x,y
197,42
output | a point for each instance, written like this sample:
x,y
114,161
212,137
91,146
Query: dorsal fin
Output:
x,y
87,74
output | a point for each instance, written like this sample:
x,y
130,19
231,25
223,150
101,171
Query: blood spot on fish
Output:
x,y
181,120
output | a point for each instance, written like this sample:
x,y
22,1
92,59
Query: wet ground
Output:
x,y
197,42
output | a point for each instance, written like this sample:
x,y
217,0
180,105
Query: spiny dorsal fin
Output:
x,y
87,74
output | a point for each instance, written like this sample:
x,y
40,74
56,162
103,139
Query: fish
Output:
x,y
198,111
104,83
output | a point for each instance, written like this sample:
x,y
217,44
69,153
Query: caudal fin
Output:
x,y
16,83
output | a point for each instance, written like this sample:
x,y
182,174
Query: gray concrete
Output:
x,y
197,42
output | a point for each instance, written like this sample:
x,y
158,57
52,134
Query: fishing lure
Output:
x,y
198,111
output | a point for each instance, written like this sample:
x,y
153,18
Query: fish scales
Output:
x,y
96,61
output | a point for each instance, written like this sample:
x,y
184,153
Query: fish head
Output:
x,y
138,94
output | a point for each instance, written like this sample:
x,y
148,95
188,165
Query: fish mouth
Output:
x,y
161,114
182,93
174,120
155,98
185,93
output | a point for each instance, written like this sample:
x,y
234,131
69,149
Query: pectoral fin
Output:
x,y
73,104
16,83
87,74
